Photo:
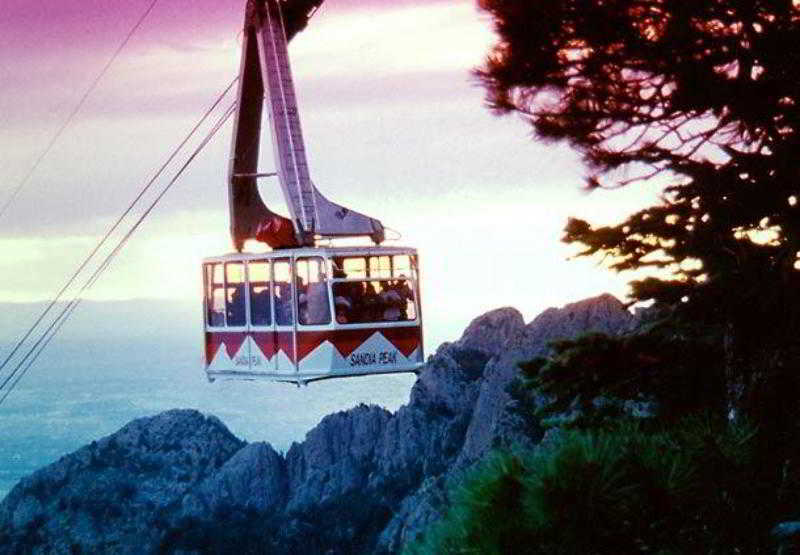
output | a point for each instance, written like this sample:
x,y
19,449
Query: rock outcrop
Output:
x,y
363,481
109,495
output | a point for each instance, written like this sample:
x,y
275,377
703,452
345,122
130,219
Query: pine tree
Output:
x,y
699,97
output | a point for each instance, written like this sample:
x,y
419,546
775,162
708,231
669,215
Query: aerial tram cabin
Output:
x,y
300,312
307,314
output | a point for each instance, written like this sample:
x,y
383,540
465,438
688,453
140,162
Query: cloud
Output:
x,y
40,30
361,51
417,152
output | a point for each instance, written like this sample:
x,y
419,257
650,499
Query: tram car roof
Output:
x,y
327,252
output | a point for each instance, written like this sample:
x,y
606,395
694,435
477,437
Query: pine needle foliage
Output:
x,y
685,489
674,368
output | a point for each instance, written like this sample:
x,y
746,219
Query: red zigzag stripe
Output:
x,y
405,339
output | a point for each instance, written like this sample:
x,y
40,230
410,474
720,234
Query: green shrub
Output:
x,y
692,487
672,365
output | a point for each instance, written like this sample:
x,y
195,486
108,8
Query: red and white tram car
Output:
x,y
305,314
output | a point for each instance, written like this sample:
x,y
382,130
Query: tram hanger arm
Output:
x,y
265,73
256,175
247,210
296,14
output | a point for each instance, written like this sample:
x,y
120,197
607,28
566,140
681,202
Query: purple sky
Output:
x,y
395,127
39,29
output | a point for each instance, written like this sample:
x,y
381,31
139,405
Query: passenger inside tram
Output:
x,y
312,292
259,278
313,305
235,309
216,306
259,306
343,296
395,298
283,303
282,292
373,301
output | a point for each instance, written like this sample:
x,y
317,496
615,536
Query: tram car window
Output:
x,y
380,266
313,307
260,307
401,266
351,267
282,293
215,295
234,294
363,301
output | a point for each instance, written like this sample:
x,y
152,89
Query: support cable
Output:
x,y
75,110
111,230
44,339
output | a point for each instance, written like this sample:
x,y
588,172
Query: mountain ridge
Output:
x,y
363,480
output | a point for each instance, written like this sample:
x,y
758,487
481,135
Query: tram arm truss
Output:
x,y
265,73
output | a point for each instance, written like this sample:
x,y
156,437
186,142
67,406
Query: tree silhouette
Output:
x,y
702,99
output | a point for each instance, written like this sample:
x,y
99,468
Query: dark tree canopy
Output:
x,y
702,97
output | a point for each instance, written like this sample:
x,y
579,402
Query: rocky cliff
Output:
x,y
363,481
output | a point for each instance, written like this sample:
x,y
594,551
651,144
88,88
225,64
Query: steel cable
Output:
x,y
44,339
113,228
75,110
